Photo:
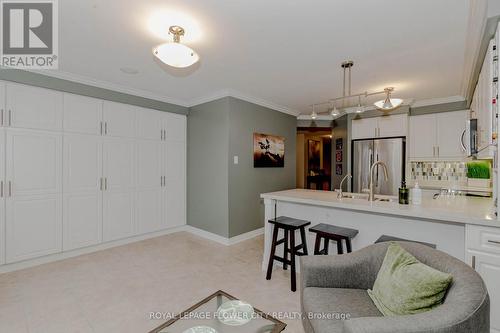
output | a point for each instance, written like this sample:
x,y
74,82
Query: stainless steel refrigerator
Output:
x,y
366,152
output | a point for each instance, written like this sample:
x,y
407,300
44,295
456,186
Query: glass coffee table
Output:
x,y
204,317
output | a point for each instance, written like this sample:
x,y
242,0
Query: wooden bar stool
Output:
x,y
289,226
329,232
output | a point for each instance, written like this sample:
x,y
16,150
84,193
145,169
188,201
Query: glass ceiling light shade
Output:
x,y
176,54
388,104
359,108
334,112
314,115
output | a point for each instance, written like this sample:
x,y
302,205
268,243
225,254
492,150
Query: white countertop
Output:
x,y
459,209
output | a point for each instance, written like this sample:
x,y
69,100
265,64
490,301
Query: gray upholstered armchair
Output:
x,y
336,285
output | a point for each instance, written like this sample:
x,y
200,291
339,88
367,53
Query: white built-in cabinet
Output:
x,y
483,254
77,171
437,135
380,127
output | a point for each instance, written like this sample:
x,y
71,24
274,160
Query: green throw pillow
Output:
x,y
406,286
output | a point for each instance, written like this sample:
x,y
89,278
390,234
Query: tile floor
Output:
x,y
115,290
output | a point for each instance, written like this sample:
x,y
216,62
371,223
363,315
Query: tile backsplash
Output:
x,y
447,172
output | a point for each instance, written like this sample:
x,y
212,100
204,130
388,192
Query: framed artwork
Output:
x,y
339,144
338,169
338,156
268,151
313,155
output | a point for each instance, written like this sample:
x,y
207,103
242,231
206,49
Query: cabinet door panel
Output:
x,y
118,164
149,210
450,126
34,226
488,266
82,114
175,188
149,124
34,162
82,197
33,107
118,215
149,162
394,125
2,197
175,126
423,136
364,128
82,220
120,119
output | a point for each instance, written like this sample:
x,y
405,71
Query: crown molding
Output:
x,y
435,101
108,85
244,97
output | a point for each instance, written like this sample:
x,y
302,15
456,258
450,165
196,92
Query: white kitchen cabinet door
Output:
x,y
82,195
34,162
450,127
2,196
119,188
33,226
423,136
119,119
175,126
149,186
149,124
393,125
175,184
82,114
33,108
488,266
364,128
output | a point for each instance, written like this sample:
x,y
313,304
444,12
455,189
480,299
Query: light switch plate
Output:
x,y
235,159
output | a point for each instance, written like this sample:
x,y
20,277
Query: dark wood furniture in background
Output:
x,y
289,226
319,181
329,232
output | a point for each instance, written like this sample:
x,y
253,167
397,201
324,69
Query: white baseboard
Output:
x,y
74,253
223,240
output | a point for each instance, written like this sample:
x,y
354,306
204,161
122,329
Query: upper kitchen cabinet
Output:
x,y
175,127
380,127
32,107
119,119
150,124
82,114
437,136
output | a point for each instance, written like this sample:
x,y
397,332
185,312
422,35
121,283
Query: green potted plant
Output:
x,y
479,174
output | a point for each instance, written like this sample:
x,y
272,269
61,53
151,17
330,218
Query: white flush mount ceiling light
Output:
x,y
174,53
388,104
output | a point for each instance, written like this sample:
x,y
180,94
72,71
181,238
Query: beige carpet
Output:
x,y
115,290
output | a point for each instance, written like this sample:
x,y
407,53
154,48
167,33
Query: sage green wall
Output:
x,y
223,197
207,167
246,183
44,81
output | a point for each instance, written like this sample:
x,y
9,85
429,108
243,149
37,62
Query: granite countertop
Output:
x,y
459,209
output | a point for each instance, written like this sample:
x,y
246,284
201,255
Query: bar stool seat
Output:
x,y
290,226
329,232
387,238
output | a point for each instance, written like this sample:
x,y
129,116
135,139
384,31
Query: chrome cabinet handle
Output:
x,y
1,188
10,117
101,127
474,262
1,117
437,151
493,242
106,127
105,183
100,184
10,188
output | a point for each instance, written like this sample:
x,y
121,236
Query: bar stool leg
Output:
x,y
325,249
292,259
340,249
317,243
304,241
348,245
285,250
271,254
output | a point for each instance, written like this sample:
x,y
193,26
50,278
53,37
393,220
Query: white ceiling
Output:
x,y
286,52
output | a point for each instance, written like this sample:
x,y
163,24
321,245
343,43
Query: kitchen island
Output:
x,y
442,221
